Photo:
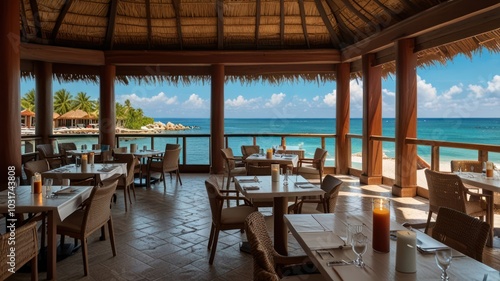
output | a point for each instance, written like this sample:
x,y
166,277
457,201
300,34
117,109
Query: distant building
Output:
x,y
75,118
27,118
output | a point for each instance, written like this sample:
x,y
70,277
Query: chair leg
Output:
x,y
34,268
428,222
84,256
133,190
214,246
125,198
178,176
112,236
129,197
164,184
210,239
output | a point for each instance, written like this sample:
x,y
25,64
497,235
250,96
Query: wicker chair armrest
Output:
x,y
290,260
477,194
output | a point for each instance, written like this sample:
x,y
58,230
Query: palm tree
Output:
x,y
63,101
28,100
83,102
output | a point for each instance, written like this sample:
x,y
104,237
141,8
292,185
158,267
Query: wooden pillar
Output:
x,y
372,121
107,114
406,119
342,146
10,70
217,118
44,105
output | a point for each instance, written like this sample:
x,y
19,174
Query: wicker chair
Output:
x,y
267,263
324,204
94,213
447,190
247,150
46,151
169,162
38,166
230,166
26,250
223,218
461,232
126,183
65,146
313,166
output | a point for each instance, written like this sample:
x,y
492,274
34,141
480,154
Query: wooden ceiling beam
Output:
x,y
303,21
257,22
60,18
434,18
177,6
56,54
24,23
316,56
333,36
148,20
36,18
343,29
388,11
220,24
355,11
282,23
110,32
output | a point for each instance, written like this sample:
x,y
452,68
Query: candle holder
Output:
x,y
406,251
381,225
275,174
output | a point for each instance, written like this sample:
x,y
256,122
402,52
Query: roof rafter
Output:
x,y
176,4
343,29
60,18
148,20
24,22
303,21
257,22
333,36
282,23
36,18
353,10
388,11
110,32
220,24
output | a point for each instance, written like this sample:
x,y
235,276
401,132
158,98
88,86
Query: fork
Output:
x,y
339,262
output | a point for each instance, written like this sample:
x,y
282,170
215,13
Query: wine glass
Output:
x,y
359,245
443,261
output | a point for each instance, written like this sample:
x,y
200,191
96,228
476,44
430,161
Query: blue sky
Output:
x,y
462,88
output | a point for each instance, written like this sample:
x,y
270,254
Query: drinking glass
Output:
x,y
351,230
48,187
443,261
359,245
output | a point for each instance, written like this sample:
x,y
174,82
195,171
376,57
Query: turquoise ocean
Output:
x,y
470,130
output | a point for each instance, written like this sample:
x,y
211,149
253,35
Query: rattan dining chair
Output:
x,y
447,190
26,250
461,232
324,203
168,163
311,167
223,218
63,148
46,151
126,182
94,213
231,169
247,150
269,264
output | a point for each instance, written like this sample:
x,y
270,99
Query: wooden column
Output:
x,y
406,119
10,70
372,121
107,114
44,105
342,145
217,118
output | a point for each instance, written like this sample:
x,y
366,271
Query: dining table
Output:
x,y
282,159
323,238
488,186
291,149
142,156
263,187
98,171
57,208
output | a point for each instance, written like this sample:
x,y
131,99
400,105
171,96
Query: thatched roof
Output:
x,y
442,29
27,112
76,114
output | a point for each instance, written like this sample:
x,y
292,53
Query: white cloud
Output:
x,y
426,92
494,85
194,101
275,100
240,101
330,99
137,101
388,93
316,98
454,90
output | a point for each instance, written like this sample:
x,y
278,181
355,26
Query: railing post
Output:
x,y
323,143
184,149
482,155
254,138
435,158
283,141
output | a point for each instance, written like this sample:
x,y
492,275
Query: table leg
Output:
x,y
490,216
51,245
280,230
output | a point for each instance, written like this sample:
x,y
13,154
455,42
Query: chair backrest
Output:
x,y
45,150
129,159
466,165
331,186
215,198
461,232
26,246
227,154
63,146
38,166
254,170
247,150
118,150
98,210
171,146
445,190
171,159
261,246
319,158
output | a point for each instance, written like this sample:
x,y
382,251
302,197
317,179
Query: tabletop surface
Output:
x,y
316,230
477,179
264,187
292,159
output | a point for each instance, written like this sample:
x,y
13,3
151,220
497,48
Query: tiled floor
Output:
x,y
164,235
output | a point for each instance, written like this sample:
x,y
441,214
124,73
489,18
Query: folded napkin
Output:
x,y
251,188
107,169
67,190
304,185
427,243
322,240
352,272
248,180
